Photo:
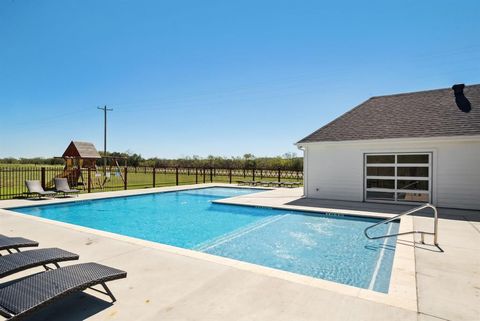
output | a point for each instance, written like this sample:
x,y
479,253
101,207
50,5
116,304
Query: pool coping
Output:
x,y
402,292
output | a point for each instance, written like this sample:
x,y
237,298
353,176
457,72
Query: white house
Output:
x,y
413,147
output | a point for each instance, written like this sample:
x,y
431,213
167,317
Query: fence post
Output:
x,y
125,178
230,175
89,180
203,170
261,174
253,174
153,176
279,175
176,175
42,177
244,174
211,175
196,175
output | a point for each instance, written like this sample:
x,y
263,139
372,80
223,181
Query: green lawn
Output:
x,y
13,176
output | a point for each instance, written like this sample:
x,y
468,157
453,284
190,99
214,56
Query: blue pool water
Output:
x,y
330,247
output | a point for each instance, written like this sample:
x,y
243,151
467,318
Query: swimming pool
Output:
x,y
330,247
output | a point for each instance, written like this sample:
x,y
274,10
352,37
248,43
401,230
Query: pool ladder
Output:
x,y
422,233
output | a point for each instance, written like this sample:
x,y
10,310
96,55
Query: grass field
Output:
x,y
13,176
29,166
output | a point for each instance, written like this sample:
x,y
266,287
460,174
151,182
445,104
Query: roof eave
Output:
x,y
393,140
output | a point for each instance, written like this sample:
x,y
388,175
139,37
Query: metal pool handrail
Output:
x,y
422,233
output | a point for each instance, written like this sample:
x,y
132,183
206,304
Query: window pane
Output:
x,y
380,159
380,171
384,196
413,171
412,197
413,185
413,159
380,183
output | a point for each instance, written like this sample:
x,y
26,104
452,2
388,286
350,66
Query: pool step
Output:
x,y
238,233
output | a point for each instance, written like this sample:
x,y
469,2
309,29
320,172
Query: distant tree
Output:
x,y
288,161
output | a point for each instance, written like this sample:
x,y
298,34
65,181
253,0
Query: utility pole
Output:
x,y
105,110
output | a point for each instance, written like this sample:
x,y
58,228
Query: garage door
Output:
x,y
398,177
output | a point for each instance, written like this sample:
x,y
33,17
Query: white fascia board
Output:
x,y
395,140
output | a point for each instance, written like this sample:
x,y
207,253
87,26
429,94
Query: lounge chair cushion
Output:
x,y
34,187
61,185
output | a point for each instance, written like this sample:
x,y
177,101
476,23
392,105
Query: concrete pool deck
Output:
x,y
167,283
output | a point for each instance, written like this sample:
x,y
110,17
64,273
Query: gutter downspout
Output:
x,y
305,169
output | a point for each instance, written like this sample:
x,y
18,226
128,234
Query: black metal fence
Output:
x,y
12,179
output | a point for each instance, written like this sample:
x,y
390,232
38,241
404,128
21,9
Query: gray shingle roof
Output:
x,y
431,113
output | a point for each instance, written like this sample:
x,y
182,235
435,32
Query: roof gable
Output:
x,y
432,113
81,150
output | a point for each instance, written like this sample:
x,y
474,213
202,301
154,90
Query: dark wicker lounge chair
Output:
x,y
16,262
264,183
61,186
27,295
15,243
250,183
35,188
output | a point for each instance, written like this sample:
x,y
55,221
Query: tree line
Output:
x,y
287,161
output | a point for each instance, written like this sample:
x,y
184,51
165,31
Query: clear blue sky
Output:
x,y
215,77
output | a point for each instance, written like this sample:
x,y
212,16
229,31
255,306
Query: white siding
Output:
x,y
458,175
335,170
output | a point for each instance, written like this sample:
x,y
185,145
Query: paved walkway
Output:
x,y
165,283
449,282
